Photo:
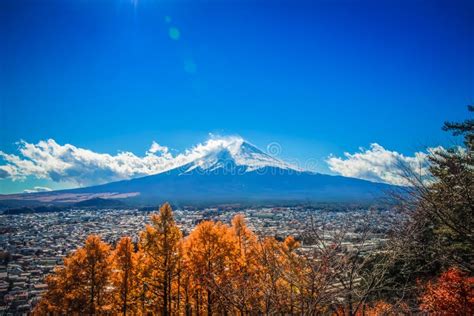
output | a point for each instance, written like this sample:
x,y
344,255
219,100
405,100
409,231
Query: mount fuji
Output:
x,y
234,171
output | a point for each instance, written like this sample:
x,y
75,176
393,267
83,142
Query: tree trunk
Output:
x,y
92,292
209,303
165,296
125,281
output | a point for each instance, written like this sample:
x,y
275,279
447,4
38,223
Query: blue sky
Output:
x,y
318,77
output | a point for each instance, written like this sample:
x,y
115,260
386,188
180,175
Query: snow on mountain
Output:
x,y
235,153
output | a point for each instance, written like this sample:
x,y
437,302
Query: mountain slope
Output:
x,y
267,184
240,172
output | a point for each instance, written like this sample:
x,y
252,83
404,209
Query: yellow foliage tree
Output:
x,y
160,256
209,253
246,279
124,278
80,286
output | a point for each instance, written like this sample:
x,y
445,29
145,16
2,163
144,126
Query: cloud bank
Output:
x,y
49,160
380,165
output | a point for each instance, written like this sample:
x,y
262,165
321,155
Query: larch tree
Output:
x,y
245,286
81,285
210,251
61,296
95,260
291,264
124,277
272,276
159,244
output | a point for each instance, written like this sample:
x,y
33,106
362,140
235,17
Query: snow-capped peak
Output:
x,y
233,151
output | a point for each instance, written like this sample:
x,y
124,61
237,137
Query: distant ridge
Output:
x,y
99,203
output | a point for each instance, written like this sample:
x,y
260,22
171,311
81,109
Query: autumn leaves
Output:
x,y
227,269
217,268
81,285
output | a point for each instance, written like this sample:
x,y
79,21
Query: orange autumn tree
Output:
x,y
451,294
292,270
80,286
245,283
272,275
160,256
96,274
210,251
60,297
124,277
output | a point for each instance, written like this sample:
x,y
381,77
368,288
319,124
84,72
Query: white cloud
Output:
x,y
380,165
67,163
157,148
38,189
